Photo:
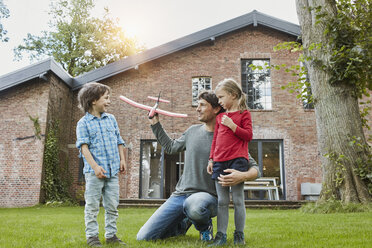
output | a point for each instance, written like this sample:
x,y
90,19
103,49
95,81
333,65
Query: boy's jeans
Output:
x,y
168,220
108,188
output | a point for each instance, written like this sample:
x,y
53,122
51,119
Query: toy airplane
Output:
x,y
152,110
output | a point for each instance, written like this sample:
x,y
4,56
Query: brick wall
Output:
x,y
21,154
172,75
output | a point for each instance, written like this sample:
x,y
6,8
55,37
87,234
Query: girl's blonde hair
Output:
x,y
232,87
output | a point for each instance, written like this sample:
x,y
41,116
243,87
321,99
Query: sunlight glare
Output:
x,y
130,31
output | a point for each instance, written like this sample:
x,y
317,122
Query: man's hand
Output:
x,y
154,119
235,177
99,171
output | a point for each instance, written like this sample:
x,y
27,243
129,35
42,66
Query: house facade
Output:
x,y
284,129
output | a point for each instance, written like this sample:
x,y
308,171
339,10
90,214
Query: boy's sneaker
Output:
x,y
239,238
207,235
94,242
220,239
114,240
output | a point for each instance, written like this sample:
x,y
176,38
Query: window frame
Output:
x,y
246,84
305,103
142,142
260,155
199,87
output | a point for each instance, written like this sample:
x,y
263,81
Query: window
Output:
x,y
151,173
198,85
269,157
159,172
256,83
306,95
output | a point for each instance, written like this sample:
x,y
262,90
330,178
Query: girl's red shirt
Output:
x,y
228,145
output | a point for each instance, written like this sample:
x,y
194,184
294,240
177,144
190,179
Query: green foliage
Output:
x,y
55,204
340,170
4,13
37,128
350,38
349,33
363,165
349,45
78,41
334,206
364,113
56,181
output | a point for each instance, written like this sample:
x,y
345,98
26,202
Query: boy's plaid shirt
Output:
x,y
102,136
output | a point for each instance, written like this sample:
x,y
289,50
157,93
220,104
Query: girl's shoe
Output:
x,y
239,238
220,239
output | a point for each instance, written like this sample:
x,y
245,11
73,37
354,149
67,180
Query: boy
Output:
x,y
102,148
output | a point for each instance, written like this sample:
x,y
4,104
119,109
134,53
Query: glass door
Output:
x,y
151,172
159,172
269,156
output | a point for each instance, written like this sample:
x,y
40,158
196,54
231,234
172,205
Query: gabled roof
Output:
x,y
254,18
34,71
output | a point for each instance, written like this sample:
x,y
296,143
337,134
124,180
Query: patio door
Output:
x,y
151,170
269,156
159,172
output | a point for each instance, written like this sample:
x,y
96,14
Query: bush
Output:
x,y
334,206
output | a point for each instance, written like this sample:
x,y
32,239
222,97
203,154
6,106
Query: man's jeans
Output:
x,y
168,220
108,188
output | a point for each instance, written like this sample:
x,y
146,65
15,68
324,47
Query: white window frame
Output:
x,y
198,84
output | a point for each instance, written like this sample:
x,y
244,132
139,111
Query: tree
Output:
x,y
78,41
4,13
337,38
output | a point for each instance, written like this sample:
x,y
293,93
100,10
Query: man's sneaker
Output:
x,y
94,242
207,235
219,240
185,225
239,238
114,240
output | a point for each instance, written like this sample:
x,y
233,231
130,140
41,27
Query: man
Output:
x,y
194,200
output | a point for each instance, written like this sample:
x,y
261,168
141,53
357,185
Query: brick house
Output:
x,y
284,145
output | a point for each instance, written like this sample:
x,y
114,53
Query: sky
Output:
x,y
152,22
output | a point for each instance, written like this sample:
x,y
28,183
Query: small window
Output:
x,y
198,85
306,102
256,83
306,95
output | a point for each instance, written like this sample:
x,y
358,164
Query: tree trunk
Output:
x,y
337,113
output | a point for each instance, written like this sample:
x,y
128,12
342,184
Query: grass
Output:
x,y
64,227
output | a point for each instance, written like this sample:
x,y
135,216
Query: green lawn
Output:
x,y
64,227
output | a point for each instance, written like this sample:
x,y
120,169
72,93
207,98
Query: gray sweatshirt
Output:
x,y
196,142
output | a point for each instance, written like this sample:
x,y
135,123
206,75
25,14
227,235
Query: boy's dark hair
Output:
x,y
89,93
211,98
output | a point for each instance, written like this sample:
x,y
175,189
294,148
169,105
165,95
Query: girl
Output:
x,y
229,150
